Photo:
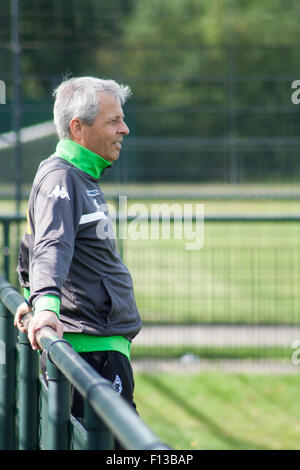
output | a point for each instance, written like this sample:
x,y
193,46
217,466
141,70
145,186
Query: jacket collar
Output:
x,y
81,157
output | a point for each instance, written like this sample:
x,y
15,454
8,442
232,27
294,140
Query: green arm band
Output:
x,y
47,302
26,293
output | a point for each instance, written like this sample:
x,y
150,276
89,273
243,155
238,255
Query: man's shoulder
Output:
x,y
52,173
54,163
52,167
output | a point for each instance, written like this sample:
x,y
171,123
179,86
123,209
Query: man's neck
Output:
x,y
81,157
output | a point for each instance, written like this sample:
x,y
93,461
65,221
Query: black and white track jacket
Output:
x,y
65,254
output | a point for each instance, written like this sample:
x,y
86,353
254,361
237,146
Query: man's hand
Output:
x,y
38,321
22,310
41,319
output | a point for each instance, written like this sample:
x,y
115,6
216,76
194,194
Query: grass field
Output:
x,y
246,272
215,410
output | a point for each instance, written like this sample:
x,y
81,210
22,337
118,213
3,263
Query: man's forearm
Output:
x,y
45,302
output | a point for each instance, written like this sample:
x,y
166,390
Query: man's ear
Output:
x,y
76,129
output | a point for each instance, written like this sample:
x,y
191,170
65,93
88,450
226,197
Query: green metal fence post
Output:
x,y
7,380
98,435
43,412
28,395
59,391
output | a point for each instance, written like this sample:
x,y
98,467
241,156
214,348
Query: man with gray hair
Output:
x,y
73,277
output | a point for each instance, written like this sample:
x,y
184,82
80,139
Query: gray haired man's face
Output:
x,y
105,135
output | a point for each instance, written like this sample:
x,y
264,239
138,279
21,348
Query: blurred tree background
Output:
x,y
211,82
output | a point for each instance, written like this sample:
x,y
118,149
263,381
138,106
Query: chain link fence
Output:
x,y
212,120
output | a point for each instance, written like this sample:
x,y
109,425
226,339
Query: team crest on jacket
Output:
x,y
117,385
59,191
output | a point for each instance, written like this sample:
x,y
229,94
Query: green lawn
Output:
x,y
246,272
215,410
160,351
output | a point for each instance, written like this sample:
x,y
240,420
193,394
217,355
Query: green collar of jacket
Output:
x,y
81,157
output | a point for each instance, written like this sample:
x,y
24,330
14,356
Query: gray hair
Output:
x,y
79,98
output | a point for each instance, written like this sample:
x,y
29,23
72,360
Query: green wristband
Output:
x,y
47,302
26,293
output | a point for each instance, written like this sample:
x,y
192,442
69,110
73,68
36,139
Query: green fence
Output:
x,y
246,271
245,275
37,416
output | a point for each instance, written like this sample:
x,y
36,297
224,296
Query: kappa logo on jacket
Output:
x,y
59,192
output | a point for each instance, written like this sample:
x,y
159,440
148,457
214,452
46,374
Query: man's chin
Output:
x,y
111,158
115,157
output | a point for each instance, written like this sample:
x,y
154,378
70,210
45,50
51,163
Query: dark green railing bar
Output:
x,y
28,395
7,381
10,297
111,408
115,412
58,437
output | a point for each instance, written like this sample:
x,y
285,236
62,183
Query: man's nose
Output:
x,y
124,129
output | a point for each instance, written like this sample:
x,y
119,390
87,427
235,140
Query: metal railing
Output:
x,y
33,415
36,416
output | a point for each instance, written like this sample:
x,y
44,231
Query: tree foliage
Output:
x,y
210,69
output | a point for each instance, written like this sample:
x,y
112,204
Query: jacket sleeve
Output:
x,y
54,215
